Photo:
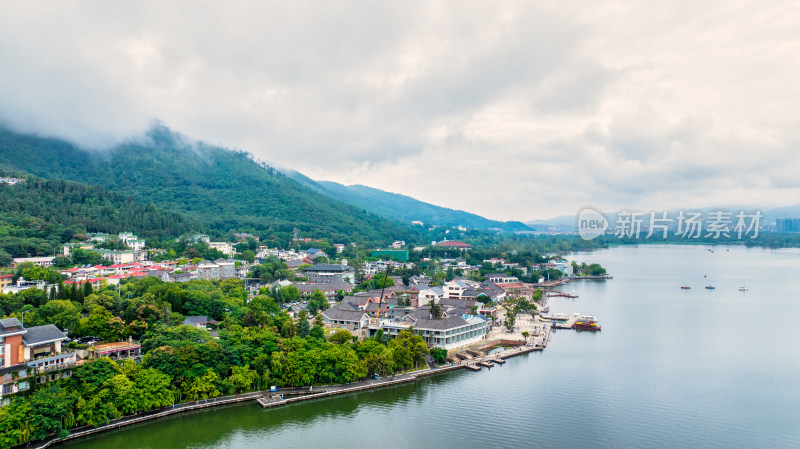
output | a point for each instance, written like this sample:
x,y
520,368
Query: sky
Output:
x,y
512,110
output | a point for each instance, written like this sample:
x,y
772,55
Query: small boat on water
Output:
x,y
743,288
710,287
586,323
685,287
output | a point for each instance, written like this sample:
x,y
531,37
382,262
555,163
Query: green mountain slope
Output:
x,y
404,208
37,215
221,189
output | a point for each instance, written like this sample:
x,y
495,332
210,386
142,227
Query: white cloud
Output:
x,y
514,110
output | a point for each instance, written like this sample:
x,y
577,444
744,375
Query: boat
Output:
x,y
710,287
685,287
555,317
743,288
586,323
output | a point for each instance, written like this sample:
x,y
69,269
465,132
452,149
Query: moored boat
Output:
x,y
586,323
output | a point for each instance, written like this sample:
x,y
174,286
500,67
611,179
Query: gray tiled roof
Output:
x,y
341,312
41,334
10,322
195,320
324,287
450,322
330,267
455,302
11,326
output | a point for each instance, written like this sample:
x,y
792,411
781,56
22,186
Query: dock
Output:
x,y
561,295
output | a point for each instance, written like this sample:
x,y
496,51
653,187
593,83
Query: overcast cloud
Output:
x,y
513,110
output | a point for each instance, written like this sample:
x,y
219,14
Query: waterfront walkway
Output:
x,y
272,399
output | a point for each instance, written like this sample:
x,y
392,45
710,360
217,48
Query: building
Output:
x,y
787,225
223,247
346,316
6,280
201,321
396,254
330,273
448,333
207,270
117,257
329,289
501,278
28,352
454,244
455,288
22,284
116,350
38,261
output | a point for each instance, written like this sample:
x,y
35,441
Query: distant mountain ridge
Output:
x,y
769,215
403,207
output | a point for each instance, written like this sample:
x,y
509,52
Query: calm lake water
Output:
x,y
671,368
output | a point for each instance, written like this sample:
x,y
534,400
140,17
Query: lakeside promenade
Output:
x,y
269,399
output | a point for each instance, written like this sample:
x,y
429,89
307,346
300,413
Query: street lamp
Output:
x,y
22,317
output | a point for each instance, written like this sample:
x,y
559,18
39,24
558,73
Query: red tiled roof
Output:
x,y
455,244
6,276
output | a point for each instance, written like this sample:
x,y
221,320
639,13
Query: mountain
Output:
x,y
768,215
402,207
37,215
221,189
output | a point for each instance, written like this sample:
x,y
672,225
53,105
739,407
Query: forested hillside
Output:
x,y
404,208
38,214
219,188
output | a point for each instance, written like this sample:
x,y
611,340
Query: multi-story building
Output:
x,y
117,257
330,273
28,354
223,247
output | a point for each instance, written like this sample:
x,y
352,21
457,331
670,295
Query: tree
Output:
x,y
509,322
439,355
242,377
249,256
303,328
340,336
436,310
317,302
201,387
66,315
101,323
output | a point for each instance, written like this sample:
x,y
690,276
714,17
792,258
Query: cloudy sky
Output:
x,y
513,110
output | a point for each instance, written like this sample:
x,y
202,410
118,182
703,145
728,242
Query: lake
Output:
x,y
671,368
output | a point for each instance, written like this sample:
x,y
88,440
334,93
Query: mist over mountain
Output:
x,y
220,188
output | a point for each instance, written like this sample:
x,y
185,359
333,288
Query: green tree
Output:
x,y
340,336
439,355
201,387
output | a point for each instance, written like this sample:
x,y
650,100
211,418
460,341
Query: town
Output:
x,y
110,299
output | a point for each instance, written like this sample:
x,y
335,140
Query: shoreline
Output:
x,y
333,390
